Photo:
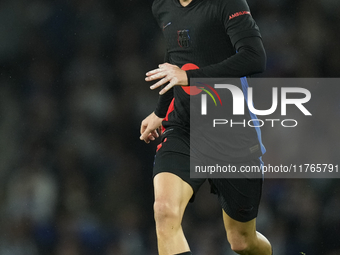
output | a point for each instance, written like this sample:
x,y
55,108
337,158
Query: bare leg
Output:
x,y
172,195
244,239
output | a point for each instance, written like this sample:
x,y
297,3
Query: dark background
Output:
x,y
75,179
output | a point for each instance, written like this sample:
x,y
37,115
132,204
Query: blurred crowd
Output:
x,y
75,179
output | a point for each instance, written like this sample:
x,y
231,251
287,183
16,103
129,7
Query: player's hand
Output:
x,y
167,73
150,127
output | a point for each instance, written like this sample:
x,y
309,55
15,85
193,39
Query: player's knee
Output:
x,y
239,242
165,212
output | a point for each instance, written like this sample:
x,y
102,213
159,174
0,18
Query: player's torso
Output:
x,y
194,34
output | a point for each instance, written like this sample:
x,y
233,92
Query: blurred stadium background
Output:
x,y
75,179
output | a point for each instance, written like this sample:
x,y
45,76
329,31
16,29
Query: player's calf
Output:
x,y
249,244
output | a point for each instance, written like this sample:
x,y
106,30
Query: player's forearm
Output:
x,y
163,103
250,59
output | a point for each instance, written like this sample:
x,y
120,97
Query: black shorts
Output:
x,y
239,198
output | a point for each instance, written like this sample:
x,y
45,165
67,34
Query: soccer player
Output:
x,y
222,39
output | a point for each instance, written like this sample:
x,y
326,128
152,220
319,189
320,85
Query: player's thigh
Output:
x,y
172,168
239,197
171,192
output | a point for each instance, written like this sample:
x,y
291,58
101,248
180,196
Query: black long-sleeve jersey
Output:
x,y
222,39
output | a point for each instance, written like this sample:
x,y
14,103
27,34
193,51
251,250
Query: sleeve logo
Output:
x,y
238,14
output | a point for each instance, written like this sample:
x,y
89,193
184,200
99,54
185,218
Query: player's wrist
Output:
x,y
184,81
186,78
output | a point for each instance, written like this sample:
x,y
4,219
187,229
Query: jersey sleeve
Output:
x,y
250,59
238,20
156,10
247,42
165,99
